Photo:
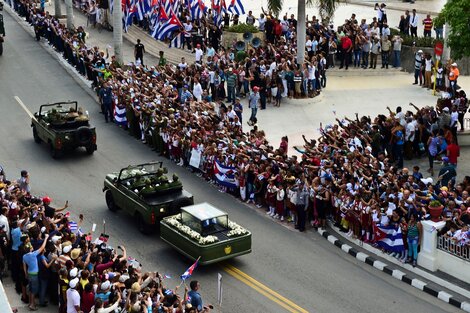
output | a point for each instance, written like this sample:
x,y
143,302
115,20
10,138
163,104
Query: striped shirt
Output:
x,y
427,24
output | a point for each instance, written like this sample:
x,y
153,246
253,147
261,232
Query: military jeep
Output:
x,y
62,126
146,193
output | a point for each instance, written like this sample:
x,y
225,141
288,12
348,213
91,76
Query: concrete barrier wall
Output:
x,y
452,265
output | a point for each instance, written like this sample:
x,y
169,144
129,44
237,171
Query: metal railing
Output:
x,y
453,247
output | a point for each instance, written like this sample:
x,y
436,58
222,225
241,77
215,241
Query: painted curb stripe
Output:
x,y
396,273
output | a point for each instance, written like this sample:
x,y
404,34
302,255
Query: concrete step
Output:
x,y
351,71
153,46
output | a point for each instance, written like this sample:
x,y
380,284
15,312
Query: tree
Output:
x,y
326,10
117,30
456,14
69,11
57,9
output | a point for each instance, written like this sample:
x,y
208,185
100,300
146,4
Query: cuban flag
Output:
x,y
218,9
225,175
167,28
389,238
236,7
120,116
171,5
177,42
157,18
198,9
190,270
73,227
142,7
128,13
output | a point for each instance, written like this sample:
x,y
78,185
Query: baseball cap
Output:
x,y
73,283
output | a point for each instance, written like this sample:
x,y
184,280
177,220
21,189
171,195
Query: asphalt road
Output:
x,y
305,271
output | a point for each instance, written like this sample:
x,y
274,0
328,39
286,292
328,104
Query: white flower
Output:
x,y
235,230
174,222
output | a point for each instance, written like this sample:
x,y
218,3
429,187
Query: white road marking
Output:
x,y
24,107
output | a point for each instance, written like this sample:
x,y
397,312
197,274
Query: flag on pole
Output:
x,y
198,9
190,270
177,42
236,7
167,28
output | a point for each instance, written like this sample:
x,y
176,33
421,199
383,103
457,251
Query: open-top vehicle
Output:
x,y
63,126
146,192
202,230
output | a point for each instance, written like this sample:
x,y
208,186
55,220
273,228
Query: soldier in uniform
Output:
x,y
148,189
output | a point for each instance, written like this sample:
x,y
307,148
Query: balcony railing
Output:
x,y
453,247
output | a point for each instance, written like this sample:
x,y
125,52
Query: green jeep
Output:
x,y
146,193
63,126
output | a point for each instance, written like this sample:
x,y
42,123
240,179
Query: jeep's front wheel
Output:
x,y
143,227
110,201
36,136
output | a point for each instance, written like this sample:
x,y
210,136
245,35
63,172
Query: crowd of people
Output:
x,y
51,259
354,173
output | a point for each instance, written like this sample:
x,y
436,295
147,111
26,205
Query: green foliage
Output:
x,y
420,41
457,14
426,42
435,203
243,28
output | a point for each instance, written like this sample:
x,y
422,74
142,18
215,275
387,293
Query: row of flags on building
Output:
x,y
164,15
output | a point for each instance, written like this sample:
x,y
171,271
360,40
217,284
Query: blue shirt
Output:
x,y
16,238
195,299
31,260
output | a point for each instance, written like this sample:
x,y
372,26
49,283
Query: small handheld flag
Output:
x,y
190,270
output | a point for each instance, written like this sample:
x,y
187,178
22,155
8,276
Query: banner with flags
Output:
x,y
225,175
236,7
187,274
389,238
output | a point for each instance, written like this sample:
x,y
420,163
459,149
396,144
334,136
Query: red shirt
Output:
x,y
346,42
453,151
88,300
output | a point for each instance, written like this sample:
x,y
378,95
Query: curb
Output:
x,y
434,291
82,82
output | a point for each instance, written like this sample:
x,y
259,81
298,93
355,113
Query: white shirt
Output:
x,y
261,22
182,66
311,72
410,128
428,65
73,299
188,27
454,116
4,221
197,91
199,54
308,45
414,19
